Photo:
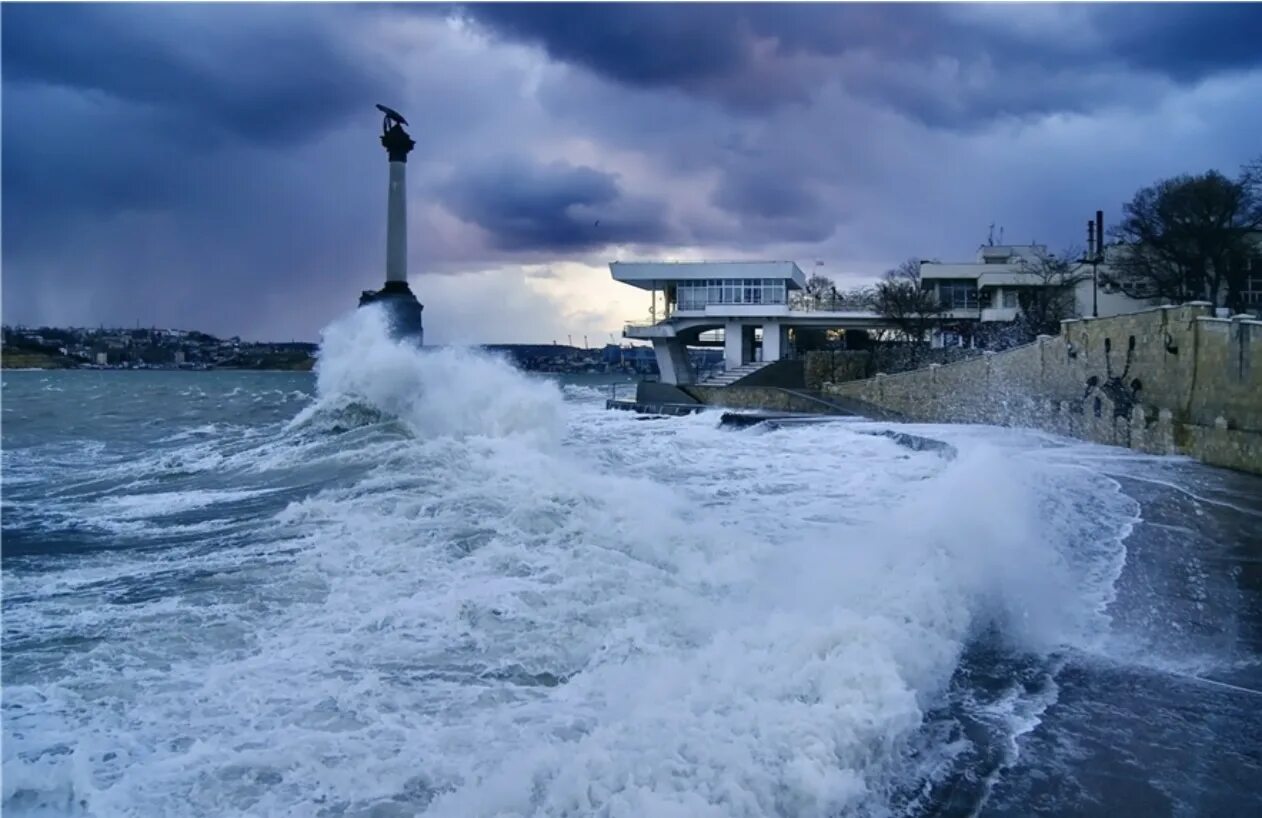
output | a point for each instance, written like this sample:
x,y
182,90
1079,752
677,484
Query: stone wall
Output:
x,y
1167,380
776,399
836,366
785,374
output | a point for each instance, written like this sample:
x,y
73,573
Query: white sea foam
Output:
x,y
160,504
439,392
525,606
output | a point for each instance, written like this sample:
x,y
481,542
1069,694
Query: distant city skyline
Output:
x,y
216,167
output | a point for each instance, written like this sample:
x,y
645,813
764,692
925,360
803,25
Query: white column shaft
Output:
x,y
733,344
397,224
772,342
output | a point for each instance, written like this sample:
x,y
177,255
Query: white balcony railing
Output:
x,y
1000,313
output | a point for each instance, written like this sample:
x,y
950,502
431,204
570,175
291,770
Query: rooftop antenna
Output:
x,y
1001,234
990,237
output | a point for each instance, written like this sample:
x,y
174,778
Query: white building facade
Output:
x,y
1003,277
749,303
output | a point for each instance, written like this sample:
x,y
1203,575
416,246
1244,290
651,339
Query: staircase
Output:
x,y
731,376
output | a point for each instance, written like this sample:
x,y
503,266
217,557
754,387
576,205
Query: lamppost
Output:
x,y
1095,255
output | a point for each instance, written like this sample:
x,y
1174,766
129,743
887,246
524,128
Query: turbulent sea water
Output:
x,y
428,584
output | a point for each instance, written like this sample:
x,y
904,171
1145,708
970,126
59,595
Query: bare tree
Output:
x,y
1050,299
856,298
901,298
1251,176
819,285
1189,237
816,293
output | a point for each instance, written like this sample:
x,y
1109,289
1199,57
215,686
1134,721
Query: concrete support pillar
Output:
x,y
397,224
734,353
775,342
770,342
672,362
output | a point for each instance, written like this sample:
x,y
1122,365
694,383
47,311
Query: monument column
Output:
x,y
402,310
398,145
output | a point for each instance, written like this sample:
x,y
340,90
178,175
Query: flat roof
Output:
x,y
986,275
653,274
964,270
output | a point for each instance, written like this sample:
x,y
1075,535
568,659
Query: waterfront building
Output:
x,y
1000,283
752,309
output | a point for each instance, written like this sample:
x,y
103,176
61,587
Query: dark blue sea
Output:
x,y
428,584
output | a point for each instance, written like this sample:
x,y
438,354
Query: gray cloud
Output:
x,y
951,66
258,73
559,207
782,208
1185,41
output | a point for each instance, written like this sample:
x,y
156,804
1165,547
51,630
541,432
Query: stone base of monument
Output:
x,y
402,310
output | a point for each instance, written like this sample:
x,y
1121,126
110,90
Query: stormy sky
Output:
x,y
217,166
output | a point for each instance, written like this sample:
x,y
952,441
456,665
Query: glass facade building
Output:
x,y
695,295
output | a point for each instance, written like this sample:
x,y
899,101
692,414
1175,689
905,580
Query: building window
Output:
x,y
695,295
1252,294
1010,299
958,295
1253,287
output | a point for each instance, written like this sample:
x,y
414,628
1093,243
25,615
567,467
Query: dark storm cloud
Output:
x,y
68,153
705,49
944,65
768,205
525,206
770,197
653,44
151,162
118,107
257,73
1185,41
218,166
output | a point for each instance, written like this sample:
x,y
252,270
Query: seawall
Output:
x,y
779,399
835,366
1171,380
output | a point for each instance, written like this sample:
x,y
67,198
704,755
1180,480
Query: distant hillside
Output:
x,y
12,358
296,361
544,350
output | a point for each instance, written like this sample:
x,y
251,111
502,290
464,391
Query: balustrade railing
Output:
x,y
831,302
